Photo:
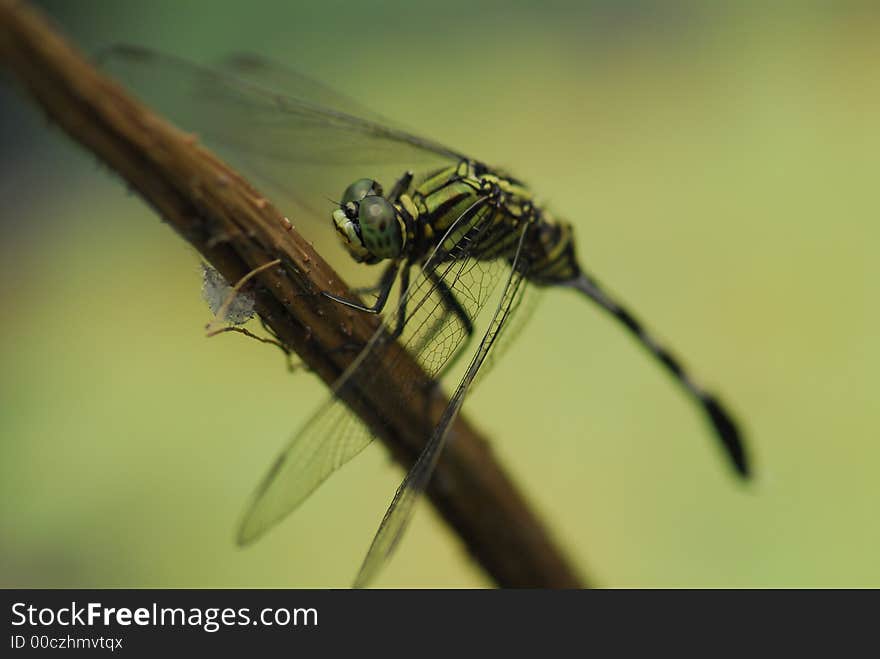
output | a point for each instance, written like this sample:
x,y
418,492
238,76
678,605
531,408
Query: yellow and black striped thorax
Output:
x,y
470,195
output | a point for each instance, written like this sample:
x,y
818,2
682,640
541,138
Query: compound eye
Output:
x,y
359,189
380,230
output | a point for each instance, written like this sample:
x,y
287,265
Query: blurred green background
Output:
x,y
720,166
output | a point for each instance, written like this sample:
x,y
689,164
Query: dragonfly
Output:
x,y
450,231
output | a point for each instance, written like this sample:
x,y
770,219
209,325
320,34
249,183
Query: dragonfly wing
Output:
x,y
271,75
329,439
305,141
521,311
401,509
334,434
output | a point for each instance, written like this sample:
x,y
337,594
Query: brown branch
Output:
x,y
237,230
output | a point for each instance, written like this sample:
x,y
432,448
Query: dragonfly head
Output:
x,y
368,224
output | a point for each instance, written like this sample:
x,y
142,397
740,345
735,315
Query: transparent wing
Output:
x,y
303,141
401,509
270,75
334,434
522,309
329,439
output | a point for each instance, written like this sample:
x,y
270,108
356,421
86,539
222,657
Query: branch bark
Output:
x,y
237,230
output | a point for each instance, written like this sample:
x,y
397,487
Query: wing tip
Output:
x,y
251,528
245,535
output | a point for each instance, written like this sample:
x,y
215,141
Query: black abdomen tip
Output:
x,y
729,435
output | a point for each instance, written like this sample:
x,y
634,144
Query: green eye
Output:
x,y
359,189
380,230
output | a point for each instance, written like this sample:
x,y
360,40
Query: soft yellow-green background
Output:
x,y
721,169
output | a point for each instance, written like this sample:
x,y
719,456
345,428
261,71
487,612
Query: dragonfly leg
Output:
x,y
368,290
384,288
451,302
400,187
453,306
401,310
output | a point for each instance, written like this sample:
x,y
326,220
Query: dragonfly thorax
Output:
x,y
492,208
369,226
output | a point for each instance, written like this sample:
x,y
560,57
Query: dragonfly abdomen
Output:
x,y
550,254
